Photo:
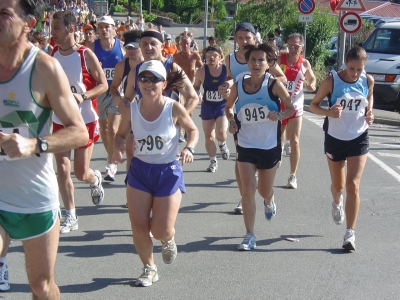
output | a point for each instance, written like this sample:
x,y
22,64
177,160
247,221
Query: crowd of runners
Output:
x,y
138,94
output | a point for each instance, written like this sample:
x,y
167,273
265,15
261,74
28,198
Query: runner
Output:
x,y
350,98
296,69
168,48
257,102
87,81
237,67
122,69
32,84
155,178
109,51
90,36
211,42
214,122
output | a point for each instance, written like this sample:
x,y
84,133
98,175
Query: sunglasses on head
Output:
x,y
153,79
131,48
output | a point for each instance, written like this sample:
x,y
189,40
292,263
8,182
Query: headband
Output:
x,y
153,34
212,48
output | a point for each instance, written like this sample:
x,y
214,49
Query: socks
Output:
x,y
213,158
71,212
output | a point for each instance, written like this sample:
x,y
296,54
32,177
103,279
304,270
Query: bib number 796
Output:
x,y
151,145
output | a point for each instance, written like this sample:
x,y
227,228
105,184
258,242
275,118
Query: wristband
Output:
x,y
191,150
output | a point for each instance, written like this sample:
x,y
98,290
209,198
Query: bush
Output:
x,y
149,17
223,31
119,8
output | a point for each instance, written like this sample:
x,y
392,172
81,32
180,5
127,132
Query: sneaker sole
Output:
x,y
69,229
291,186
210,171
142,284
238,211
5,288
349,246
242,248
109,178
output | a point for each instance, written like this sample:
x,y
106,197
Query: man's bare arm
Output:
x,y
116,82
96,71
187,91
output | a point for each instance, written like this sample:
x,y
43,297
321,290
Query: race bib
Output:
x,y
252,115
213,96
290,86
151,145
23,131
353,105
109,73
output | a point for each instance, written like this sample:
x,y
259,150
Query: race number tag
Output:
x,y
252,115
351,105
213,96
109,72
151,145
290,86
23,131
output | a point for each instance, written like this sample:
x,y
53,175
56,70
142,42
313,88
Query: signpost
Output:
x,y
351,5
350,22
306,7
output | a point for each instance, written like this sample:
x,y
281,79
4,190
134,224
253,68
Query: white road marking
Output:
x,y
389,154
317,120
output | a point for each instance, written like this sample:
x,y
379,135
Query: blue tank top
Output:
x,y
211,85
237,69
256,130
108,59
353,97
167,66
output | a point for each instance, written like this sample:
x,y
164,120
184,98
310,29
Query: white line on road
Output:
x,y
388,154
387,145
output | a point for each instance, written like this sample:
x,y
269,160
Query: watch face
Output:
x,y
43,145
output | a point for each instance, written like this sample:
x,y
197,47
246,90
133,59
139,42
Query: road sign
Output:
x,y
351,5
306,6
350,22
306,18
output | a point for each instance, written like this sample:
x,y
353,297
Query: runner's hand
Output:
x,y
15,145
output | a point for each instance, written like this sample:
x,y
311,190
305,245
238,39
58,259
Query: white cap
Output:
x,y
186,29
154,66
107,20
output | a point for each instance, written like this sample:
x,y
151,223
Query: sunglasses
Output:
x,y
131,48
153,79
294,47
212,55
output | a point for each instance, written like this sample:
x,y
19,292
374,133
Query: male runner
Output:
x,y
296,69
32,84
236,65
87,81
109,51
214,122
189,61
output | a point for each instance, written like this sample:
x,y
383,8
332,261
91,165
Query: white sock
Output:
x,y
213,158
221,143
71,212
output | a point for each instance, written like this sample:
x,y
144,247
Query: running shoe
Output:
x,y
270,210
97,190
4,285
238,209
68,223
224,151
169,251
292,182
286,148
148,276
349,240
213,166
111,170
181,137
248,243
338,212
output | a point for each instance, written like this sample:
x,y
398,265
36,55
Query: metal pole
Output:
x,y
305,37
205,24
140,7
342,43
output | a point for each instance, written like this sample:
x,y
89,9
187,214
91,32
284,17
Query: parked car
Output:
x,y
386,20
332,47
383,49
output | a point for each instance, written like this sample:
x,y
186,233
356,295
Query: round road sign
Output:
x,y
306,6
350,22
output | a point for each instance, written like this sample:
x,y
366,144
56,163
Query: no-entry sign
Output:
x,y
306,6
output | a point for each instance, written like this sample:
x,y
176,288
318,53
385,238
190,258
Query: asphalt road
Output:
x,y
99,261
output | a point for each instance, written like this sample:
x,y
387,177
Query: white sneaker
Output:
x,y
224,151
213,166
148,276
68,223
286,148
111,170
292,182
169,251
238,209
349,240
4,285
338,212
97,191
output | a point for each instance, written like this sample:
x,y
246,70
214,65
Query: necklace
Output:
x,y
68,48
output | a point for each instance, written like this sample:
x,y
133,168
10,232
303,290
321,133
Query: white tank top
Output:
x,y
27,185
80,80
157,141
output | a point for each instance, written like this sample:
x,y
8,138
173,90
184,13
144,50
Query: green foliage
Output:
x,y
119,8
223,31
148,17
157,4
361,36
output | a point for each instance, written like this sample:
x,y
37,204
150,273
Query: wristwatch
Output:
x,y
190,149
84,97
280,115
43,145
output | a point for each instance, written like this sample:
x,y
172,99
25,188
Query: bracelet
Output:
x,y
230,119
280,116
